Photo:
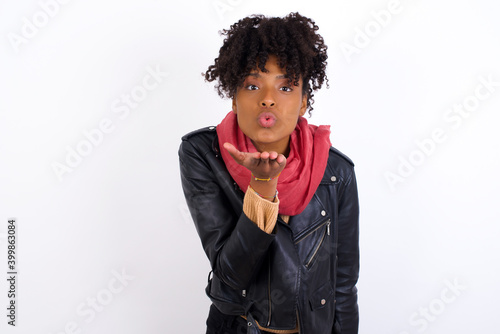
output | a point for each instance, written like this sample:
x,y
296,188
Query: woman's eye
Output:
x,y
252,87
286,89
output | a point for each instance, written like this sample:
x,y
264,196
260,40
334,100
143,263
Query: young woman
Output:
x,y
275,206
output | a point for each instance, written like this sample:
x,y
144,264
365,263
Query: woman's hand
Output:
x,y
262,165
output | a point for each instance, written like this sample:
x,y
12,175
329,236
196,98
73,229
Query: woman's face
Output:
x,y
268,107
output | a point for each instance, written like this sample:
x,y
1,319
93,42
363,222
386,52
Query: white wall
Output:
x,y
121,208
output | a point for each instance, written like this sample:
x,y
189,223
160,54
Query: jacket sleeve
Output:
x,y
235,245
346,310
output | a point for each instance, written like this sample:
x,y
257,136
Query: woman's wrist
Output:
x,y
266,190
269,198
267,179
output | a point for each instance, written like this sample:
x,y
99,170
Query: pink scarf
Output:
x,y
305,165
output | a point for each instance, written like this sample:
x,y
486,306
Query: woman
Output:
x,y
275,206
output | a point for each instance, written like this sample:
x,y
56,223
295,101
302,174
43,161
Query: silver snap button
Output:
x,y
333,178
323,301
323,212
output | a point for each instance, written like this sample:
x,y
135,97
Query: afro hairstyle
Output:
x,y
293,39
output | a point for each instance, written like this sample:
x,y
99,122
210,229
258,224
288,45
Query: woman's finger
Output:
x,y
234,152
273,155
264,156
280,159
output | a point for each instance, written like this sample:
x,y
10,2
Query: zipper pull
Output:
x,y
328,227
244,293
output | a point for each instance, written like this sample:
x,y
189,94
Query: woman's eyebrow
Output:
x,y
257,75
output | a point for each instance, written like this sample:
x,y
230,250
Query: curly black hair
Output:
x,y
249,42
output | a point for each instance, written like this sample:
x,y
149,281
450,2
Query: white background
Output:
x,y
121,208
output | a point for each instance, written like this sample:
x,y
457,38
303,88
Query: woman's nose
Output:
x,y
267,99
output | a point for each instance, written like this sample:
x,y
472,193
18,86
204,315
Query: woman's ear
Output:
x,y
303,106
234,106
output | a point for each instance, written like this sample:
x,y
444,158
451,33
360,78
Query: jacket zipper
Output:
x,y
314,230
327,232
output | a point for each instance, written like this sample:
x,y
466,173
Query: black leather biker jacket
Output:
x,y
304,272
